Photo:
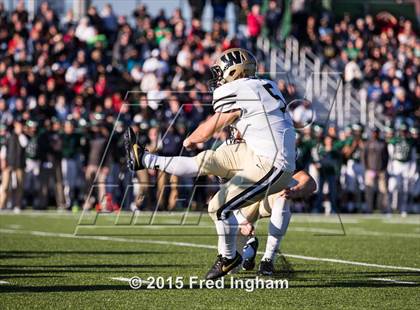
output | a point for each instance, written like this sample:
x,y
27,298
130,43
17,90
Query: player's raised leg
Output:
x,y
138,158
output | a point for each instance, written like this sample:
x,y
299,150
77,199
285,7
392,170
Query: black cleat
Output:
x,y
222,266
134,151
266,267
249,253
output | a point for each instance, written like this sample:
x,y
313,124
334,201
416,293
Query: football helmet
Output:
x,y
233,64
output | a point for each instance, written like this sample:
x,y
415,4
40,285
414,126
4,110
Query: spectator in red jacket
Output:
x,y
10,84
255,22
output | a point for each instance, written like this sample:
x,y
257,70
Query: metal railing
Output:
x,y
334,100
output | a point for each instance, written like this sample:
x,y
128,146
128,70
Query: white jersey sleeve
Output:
x,y
234,96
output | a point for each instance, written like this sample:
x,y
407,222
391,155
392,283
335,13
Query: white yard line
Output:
x,y
298,218
316,230
363,232
105,238
349,231
4,282
392,281
145,226
401,222
349,262
14,226
195,245
354,231
122,279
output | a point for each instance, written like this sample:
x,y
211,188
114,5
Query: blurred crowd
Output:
x,y
361,170
380,54
69,88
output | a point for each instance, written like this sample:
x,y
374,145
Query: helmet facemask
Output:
x,y
217,77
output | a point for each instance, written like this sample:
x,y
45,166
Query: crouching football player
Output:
x,y
263,165
276,207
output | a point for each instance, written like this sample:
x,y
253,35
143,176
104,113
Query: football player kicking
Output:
x,y
256,169
278,209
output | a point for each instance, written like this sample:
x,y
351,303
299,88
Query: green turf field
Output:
x,y
43,264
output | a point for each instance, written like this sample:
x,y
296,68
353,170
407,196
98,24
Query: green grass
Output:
x,y
46,266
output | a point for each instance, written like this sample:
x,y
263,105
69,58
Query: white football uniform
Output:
x,y
264,124
262,165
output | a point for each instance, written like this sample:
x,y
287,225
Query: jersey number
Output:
x,y
268,88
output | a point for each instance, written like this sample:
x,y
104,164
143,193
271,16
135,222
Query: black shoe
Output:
x,y
250,246
134,151
222,266
266,267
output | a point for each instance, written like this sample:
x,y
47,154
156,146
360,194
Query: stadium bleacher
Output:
x,y
69,86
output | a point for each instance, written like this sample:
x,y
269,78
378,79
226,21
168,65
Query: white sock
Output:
x,y
227,231
177,165
241,240
279,221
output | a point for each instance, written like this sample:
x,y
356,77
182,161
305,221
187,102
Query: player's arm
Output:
x,y
305,187
212,125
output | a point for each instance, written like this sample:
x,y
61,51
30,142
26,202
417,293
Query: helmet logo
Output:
x,y
231,58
